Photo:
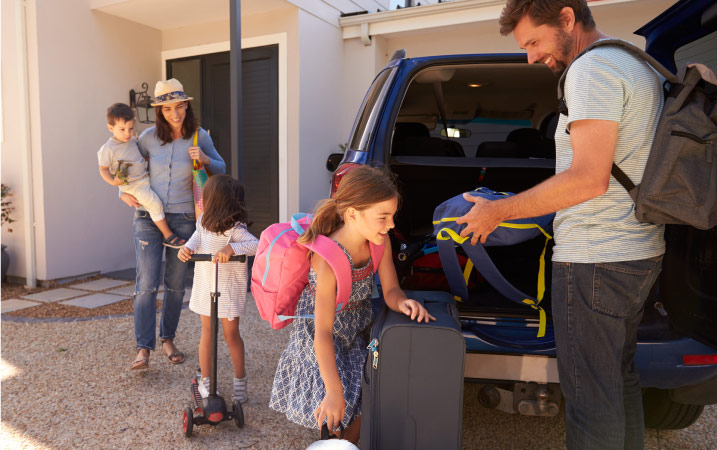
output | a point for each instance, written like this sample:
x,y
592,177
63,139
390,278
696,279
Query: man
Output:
x,y
604,260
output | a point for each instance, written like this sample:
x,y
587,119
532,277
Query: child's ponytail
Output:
x,y
359,189
326,221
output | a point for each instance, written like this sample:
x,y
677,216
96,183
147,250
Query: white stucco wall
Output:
x,y
85,62
321,96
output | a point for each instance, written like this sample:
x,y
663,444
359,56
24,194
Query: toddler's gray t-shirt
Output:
x,y
113,151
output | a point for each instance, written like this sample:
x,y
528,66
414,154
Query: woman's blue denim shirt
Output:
x,y
170,168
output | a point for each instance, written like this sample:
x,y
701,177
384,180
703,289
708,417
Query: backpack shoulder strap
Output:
x,y
376,255
339,263
669,76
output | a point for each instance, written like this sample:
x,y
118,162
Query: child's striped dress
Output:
x,y
232,275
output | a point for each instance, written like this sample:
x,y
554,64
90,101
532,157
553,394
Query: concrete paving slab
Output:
x,y
15,304
99,284
95,300
55,295
124,290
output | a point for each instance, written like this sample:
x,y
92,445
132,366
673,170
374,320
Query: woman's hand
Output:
x,y
117,181
224,254
197,153
184,254
332,408
130,199
414,310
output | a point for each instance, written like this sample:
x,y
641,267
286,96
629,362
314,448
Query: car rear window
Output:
x,y
369,110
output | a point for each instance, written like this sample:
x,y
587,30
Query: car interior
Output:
x,y
464,126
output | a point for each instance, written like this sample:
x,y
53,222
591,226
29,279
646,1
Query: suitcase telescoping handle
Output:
x,y
209,256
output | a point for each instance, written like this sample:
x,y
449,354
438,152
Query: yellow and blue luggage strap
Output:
x,y
445,238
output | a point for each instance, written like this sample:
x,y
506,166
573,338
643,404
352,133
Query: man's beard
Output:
x,y
564,46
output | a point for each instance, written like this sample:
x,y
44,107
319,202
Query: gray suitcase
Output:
x,y
413,379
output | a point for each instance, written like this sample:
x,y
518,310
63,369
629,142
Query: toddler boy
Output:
x,y
121,164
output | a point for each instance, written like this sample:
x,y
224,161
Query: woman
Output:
x,y
168,145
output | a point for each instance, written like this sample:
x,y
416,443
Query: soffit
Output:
x,y
169,14
447,14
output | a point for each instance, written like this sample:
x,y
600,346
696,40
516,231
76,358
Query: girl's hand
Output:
x,y
117,181
184,254
197,153
130,199
332,408
224,254
414,310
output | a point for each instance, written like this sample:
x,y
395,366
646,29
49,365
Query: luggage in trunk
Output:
x,y
413,379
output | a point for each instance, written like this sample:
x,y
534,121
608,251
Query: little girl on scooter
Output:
x,y
318,378
221,231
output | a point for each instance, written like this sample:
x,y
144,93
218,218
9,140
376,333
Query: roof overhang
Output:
x,y
170,14
429,16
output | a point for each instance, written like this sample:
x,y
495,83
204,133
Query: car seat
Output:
x,y
413,139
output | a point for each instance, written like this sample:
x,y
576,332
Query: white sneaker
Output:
x,y
203,386
240,390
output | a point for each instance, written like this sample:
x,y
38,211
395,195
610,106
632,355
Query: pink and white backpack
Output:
x,y
281,269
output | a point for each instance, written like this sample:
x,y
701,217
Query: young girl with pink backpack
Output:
x,y
318,379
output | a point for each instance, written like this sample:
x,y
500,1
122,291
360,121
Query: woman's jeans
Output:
x,y
596,311
149,249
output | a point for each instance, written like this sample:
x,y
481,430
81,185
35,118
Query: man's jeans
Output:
x,y
596,311
149,249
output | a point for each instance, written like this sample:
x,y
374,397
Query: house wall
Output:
x,y
11,147
284,20
321,95
84,62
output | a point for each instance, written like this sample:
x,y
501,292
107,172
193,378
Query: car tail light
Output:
x,y
339,174
699,360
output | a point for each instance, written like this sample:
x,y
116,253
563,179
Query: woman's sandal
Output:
x,y
173,241
140,363
174,354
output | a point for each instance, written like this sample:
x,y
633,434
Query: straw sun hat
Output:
x,y
170,91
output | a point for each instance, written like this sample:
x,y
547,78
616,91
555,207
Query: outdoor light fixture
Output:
x,y
141,100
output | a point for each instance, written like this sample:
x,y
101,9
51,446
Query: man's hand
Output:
x,y
130,199
481,220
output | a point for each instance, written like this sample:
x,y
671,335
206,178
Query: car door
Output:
x,y
688,285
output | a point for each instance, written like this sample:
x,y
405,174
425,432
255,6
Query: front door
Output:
x,y
206,78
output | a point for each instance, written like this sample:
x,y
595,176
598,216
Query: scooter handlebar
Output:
x,y
208,257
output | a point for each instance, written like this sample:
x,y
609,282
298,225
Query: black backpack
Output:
x,y
679,185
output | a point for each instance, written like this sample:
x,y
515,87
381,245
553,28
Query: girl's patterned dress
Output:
x,y
298,387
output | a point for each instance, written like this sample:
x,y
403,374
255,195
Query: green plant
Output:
x,y
7,207
342,147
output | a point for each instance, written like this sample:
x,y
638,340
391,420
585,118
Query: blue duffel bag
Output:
x,y
511,232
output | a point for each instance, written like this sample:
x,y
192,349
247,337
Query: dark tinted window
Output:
x,y
369,110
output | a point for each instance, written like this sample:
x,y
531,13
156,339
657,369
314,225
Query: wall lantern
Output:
x,y
139,101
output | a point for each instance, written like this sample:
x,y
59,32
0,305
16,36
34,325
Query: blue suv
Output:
x,y
447,124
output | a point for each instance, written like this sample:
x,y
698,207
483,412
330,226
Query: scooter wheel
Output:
x,y
238,414
188,421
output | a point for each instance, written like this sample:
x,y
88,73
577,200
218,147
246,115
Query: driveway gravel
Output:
x,y
67,385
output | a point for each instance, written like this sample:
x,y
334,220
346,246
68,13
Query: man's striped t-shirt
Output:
x,y
609,83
